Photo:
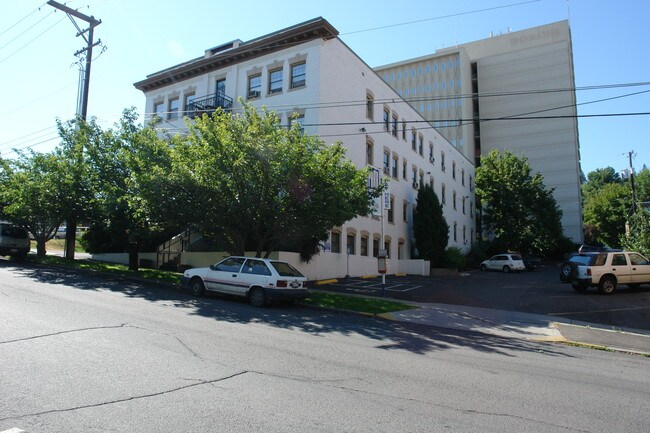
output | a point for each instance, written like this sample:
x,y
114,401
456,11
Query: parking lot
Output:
x,y
538,292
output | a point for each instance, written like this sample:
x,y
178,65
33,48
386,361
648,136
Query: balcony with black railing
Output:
x,y
208,105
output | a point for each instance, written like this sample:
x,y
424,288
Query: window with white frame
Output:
x,y
254,86
298,75
386,119
370,106
369,152
172,112
394,125
395,167
159,109
297,119
335,239
189,98
275,81
386,162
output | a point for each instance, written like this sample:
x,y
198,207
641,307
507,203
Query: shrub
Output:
x,y
453,258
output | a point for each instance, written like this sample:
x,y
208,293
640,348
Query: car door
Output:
x,y
621,268
497,262
255,272
224,276
639,269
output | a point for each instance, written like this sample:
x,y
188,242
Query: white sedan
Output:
x,y
504,262
260,280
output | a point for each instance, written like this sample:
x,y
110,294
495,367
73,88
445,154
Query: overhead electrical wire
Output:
x,y
22,19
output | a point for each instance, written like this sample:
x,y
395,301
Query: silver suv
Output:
x,y
14,241
605,270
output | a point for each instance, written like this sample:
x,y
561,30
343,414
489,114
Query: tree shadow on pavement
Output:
x,y
419,339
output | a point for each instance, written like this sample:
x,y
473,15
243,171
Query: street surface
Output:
x,y
539,292
84,354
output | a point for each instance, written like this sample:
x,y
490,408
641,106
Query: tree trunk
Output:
x,y
40,248
133,256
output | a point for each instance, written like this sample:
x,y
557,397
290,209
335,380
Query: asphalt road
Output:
x,y
80,354
538,292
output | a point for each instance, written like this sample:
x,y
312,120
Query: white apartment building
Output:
x,y
513,91
307,69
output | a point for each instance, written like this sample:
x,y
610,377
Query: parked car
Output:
x,y
504,262
531,261
260,280
14,241
605,270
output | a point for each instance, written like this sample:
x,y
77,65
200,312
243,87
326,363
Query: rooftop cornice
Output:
x,y
317,28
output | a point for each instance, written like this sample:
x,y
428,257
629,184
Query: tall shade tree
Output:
x,y
34,192
598,178
120,220
249,183
79,194
430,229
638,237
517,207
605,212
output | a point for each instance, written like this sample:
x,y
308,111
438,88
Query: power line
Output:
x,y
22,19
440,17
26,30
38,36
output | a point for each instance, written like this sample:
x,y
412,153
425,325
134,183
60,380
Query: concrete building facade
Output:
x,y
513,91
306,69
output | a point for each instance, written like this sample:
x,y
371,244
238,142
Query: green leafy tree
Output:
x,y
517,207
430,230
79,194
638,238
605,212
599,178
642,185
34,188
121,222
246,182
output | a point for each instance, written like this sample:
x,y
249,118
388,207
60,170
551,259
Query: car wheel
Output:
x,y
483,267
607,285
566,271
580,287
257,297
506,269
197,288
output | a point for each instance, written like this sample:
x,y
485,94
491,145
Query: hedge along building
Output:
x,y
306,69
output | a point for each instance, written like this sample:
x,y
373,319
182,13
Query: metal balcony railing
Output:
x,y
208,105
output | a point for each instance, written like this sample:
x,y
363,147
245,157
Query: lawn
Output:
x,y
317,298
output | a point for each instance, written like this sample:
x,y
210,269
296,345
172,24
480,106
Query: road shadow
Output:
x,y
419,339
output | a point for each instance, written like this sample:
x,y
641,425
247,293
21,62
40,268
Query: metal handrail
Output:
x,y
208,104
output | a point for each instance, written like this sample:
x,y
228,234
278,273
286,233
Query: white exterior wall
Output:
x,y
532,59
335,77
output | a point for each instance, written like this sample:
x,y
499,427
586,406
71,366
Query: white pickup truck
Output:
x,y
605,270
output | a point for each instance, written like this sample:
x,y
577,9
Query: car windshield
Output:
x,y
14,232
589,259
286,270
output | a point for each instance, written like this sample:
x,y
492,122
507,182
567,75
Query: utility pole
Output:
x,y
71,222
632,182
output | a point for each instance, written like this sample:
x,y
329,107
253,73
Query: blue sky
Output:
x,y
610,46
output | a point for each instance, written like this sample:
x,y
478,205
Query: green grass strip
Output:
x,y
354,303
150,274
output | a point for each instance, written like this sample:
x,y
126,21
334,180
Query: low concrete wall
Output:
x,y
322,266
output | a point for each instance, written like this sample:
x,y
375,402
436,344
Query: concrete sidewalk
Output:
x,y
527,326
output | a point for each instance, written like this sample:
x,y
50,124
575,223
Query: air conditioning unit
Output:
x,y
386,170
253,94
415,185
432,159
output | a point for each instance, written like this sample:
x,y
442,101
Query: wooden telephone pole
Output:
x,y
82,110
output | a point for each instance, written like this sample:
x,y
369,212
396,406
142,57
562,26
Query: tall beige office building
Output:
x,y
512,91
